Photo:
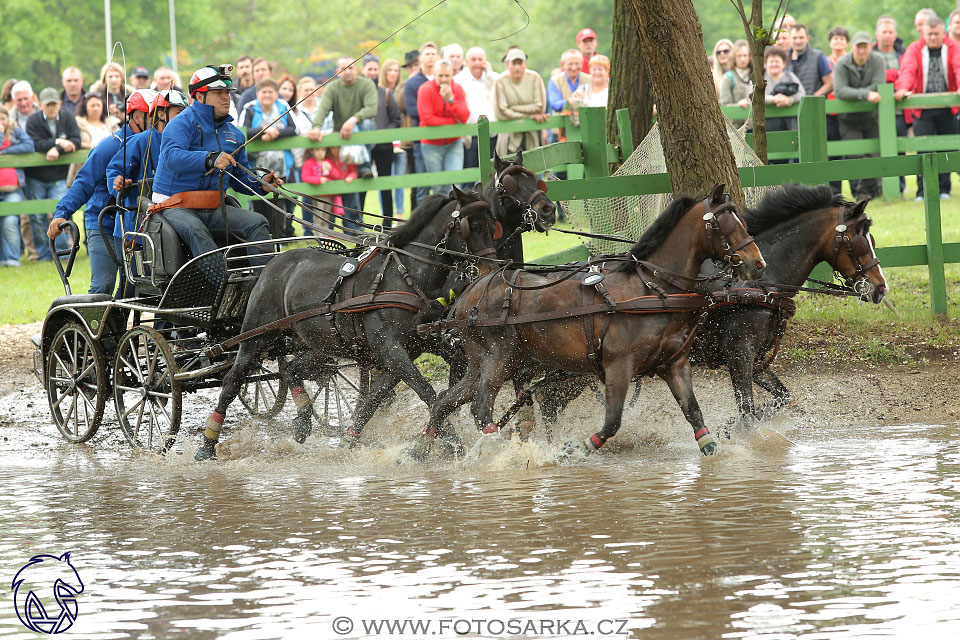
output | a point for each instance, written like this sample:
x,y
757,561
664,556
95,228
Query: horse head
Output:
x,y
726,236
852,252
471,227
45,591
521,196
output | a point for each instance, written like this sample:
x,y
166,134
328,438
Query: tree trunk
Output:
x,y
629,83
758,40
692,127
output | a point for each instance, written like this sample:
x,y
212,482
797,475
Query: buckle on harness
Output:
x,y
473,316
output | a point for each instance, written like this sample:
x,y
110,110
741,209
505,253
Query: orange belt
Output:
x,y
188,200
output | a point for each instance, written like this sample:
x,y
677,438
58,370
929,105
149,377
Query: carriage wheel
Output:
x,y
264,398
147,398
76,383
335,403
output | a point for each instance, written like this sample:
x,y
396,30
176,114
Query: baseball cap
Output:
x,y
410,57
141,72
586,33
514,54
861,37
48,95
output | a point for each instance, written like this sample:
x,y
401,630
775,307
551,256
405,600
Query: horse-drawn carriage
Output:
x,y
142,353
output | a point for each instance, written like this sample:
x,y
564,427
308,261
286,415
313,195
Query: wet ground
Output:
x,y
837,520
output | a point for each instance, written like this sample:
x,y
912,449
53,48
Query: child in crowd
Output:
x,y
320,166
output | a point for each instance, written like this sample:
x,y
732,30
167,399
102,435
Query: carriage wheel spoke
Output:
x,y
138,403
63,366
60,400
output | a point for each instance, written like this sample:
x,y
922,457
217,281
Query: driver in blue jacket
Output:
x,y
90,188
202,138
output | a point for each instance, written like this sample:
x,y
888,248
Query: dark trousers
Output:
x,y
383,158
860,128
935,122
833,133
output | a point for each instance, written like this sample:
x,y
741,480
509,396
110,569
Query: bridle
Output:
x,y
460,224
857,244
723,220
507,187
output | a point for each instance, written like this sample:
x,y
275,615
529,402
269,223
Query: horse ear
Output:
x,y
497,162
717,193
859,208
478,187
456,193
519,157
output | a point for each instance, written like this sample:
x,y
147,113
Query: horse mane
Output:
x,y
420,218
789,202
656,233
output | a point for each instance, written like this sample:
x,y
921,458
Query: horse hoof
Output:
x,y
301,429
573,449
206,451
710,448
419,451
349,440
451,445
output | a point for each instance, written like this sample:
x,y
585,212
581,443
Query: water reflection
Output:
x,y
846,533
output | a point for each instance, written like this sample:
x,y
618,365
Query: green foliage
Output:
x,y
41,37
721,20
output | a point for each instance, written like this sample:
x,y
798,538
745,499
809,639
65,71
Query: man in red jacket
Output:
x,y
931,65
442,101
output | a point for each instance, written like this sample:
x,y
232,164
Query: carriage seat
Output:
x,y
172,252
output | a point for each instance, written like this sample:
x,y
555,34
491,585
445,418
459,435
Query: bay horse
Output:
x,y
796,228
615,345
300,296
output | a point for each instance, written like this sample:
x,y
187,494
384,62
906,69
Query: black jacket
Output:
x,y
42,141
388,114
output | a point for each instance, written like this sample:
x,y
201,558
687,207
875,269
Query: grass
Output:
x,y
824,326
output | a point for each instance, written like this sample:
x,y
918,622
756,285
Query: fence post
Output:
x,y
625,131
812,129
574,171
483,149
593,127
931,208
887,121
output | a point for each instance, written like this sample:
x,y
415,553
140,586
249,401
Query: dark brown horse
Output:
x,y
796,227
508,319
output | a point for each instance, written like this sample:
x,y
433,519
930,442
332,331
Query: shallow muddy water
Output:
x,y
821,531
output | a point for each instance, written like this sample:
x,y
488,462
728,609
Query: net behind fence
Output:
x,y
629,216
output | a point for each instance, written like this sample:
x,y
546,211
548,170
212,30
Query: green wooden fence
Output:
x,y
587,156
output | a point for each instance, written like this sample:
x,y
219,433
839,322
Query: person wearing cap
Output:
x,y
54,131
201,153
89,190
587,44
856,77
140,78
519,93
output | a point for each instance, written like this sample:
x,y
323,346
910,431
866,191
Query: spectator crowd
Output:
x,y
431,86
852,68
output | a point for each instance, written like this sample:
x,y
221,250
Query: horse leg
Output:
x,y
294,372
249,352
770,382
447,402
493,373
616,377
381,390
677,376
740,366
525,416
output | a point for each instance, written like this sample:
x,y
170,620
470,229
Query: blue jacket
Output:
x,y
90,186
20,142
187,140
138,148
255,117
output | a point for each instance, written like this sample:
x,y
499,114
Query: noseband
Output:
x,y
857,244
723,221
507,188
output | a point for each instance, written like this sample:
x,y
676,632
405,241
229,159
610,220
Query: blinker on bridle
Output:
x,y
723,222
